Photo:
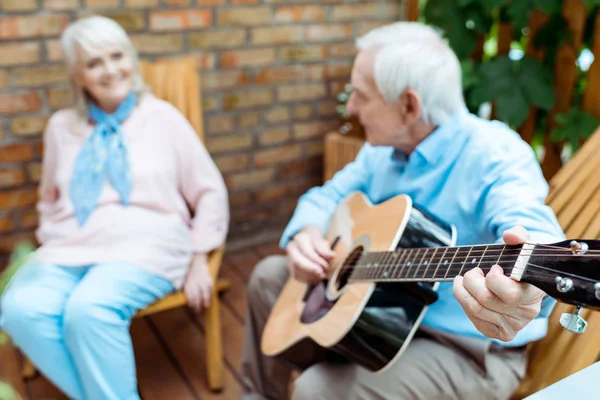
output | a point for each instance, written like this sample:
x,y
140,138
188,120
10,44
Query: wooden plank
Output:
x,y
582,210
186,343
10,371
565,75
243,262
42,388
269,249
412,10
158,377
591,97
579,199
238,286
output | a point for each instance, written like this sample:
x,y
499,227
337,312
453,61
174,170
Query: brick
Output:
x,y
316,72
171,20
176,2
210,2
303,53
16,153
141,3
220,124
223,80
53,50
210,103
342,50
32,26
233,163
248,119
274,136
247,99
17,198
158,43
247,58
307,91
252,179
34,172
338,70
61,5
3,79
245,2
40,76
245,16
288,14
292,73
240,199
12,177
313,129
18,5
327,108
392,10
7,223
315,148
352,12
1,131
229,143
329,32
129,20
365,27
28,219
303,1
20,53
206,60
337,87
217,39
277,114
302,111
8,243
19,102
277,35
59,98
308,167
272,193
28,126
101,4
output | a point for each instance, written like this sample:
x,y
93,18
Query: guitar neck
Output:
x,y
437,264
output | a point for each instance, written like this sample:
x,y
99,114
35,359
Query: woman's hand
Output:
x,y
198,285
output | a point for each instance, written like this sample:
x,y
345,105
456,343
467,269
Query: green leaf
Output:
x,y
482,21
512,106
519,12
591,3
447,15
464,3
548,6
7,392
469,74
18,259
574,126
536,80
492,5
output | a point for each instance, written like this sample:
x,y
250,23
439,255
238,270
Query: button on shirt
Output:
x,y
477,175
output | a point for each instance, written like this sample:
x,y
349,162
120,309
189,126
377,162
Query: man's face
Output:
x,y
382,121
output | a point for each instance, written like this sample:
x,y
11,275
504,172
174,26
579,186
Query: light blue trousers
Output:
x,y
73,323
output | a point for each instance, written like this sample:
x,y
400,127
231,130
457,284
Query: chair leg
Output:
x,y
214,345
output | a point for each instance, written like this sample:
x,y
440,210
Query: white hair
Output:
x,y
92,33
414,56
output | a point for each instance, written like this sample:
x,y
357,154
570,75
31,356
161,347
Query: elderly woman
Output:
x,y
130,205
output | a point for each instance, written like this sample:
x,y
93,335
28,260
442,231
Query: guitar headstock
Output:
x,y
568,271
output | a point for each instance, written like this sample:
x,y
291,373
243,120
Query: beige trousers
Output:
x,y
434,366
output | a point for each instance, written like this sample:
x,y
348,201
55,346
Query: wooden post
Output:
x,y
591,97
412,12
565,74
536,21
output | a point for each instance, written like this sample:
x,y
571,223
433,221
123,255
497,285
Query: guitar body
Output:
x,y
364,322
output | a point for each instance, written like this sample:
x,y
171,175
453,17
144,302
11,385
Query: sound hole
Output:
x,y
347,268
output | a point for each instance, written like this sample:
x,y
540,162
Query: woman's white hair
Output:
x,y
414,56
92,33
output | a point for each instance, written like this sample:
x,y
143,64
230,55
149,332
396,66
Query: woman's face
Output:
x,y
106,74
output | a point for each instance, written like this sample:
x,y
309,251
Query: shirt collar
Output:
x,y
436,144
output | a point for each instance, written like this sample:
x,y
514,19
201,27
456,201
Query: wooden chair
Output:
x,y
575,198
177,82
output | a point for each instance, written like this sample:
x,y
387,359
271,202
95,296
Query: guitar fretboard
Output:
x,y
432,264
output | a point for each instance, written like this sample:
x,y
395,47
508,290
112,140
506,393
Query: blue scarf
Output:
x,y
103,153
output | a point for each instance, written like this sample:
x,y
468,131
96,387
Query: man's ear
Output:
x,y
410,106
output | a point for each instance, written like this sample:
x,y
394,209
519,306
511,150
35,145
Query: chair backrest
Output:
x,y
575,198
177,81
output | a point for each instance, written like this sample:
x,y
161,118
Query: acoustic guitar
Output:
x,y
389,259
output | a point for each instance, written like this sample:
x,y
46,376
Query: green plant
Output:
x,y
513,82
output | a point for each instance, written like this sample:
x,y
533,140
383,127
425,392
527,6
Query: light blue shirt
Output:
x,y
476,174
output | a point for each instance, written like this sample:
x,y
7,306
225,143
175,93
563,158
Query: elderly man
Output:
x,y
476,174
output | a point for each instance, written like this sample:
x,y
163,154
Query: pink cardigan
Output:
x,y
179,203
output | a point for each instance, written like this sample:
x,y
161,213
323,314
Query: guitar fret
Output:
x,y
398,262
500,256
386,265
430,261
420,262
482,256
454,256
464,261
405,263
412,262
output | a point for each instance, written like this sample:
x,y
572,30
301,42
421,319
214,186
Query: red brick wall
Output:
x,y
270,70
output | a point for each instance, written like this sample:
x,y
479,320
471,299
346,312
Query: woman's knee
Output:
x,y
269,276
21,310
85,314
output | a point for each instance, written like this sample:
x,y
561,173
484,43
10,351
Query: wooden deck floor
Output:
x,y
169,346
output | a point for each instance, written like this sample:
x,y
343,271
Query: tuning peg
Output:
x,y
573,322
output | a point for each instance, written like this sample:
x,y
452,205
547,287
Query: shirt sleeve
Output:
x,y
202,187
514,194
317,205
48,190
